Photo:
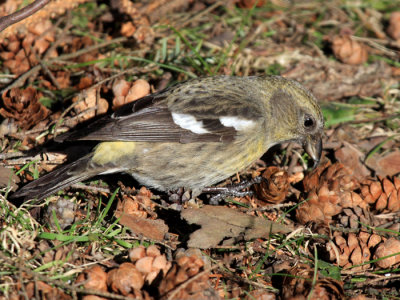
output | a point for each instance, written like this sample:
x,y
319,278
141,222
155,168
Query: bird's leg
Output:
x,y
232,190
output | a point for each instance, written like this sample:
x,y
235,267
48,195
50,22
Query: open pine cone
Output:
x,y
275,187
384,194
24,107
328,190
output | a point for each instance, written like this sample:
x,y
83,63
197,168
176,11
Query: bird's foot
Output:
x,y
235,190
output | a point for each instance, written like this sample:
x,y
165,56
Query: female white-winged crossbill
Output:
x,y
193,134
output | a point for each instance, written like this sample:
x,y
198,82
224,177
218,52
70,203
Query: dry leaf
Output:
x,y
152,229
387,165
219,222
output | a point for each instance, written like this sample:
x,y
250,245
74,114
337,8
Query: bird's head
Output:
x,y
298,116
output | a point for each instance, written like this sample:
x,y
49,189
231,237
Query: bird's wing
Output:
x,y
156,118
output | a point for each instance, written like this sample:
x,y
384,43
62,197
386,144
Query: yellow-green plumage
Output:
x,y
193,134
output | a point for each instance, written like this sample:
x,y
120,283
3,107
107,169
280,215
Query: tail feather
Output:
x,y
58,179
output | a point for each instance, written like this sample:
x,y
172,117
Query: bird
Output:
x,y
192,135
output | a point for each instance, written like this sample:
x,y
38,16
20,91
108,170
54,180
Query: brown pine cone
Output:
x,y
328,288
150,262
355,218
388,248
93,278
319,206
139,205
24,107
20,50
183,270
125,280
329,189
352,249
384,194
336,176
275,187
45,291
300,284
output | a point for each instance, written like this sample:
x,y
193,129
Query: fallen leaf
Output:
x,y
387,165
152,229
219,222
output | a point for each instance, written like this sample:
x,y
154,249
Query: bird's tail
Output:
x,y
63,177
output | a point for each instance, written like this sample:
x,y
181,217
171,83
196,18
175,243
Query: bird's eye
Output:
x,y
309,121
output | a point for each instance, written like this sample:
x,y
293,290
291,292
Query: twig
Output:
x,y
386,42
21,79
374,120
46,70
381,278
91,188
50,159
272,207
369,23
6,156
202,13
119,74
373,43
89,49
22,14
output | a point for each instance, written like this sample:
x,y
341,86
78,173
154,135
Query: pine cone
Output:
x,y
328,288
18,55
275,187
126,280
389,247
185,268
45,291
300,284
150,262
139,205
355,217
93,278
328,189
384,194
319,206
336,176
24,107
353,249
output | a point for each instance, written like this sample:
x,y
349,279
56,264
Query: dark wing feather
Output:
x,y
149,119
143,121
